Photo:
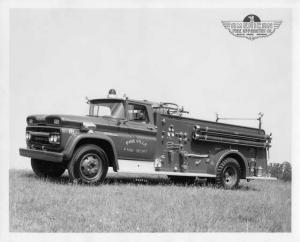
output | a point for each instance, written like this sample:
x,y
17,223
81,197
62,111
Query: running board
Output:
x,y
147,167
261,178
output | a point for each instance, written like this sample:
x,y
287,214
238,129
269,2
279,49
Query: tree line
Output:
x,y
282,171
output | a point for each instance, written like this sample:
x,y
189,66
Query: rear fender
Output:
x,y
234,154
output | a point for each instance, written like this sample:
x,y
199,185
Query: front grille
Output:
x,y
40,138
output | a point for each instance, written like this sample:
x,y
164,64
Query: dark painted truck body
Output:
x,y
144,137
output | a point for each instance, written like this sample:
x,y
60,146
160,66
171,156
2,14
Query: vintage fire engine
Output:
x,y
144,137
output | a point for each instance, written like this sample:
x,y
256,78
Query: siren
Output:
x,y
112,93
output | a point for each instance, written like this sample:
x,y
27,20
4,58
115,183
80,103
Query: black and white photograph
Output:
x,y
138,121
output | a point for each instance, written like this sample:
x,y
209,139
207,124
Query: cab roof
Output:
x,y
145,102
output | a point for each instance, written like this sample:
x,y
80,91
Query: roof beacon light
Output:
x,y
112,93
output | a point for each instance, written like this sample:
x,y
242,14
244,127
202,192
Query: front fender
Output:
x,y
96,137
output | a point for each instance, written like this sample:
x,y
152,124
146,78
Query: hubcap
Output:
x,y
230,176
90,166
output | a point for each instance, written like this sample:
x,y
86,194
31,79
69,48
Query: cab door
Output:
x,y
120,134
142,132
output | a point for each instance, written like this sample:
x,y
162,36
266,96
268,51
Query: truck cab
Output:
x,y
132,126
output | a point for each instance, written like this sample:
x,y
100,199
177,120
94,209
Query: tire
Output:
x,y
182,179
228,174
89,165
47,169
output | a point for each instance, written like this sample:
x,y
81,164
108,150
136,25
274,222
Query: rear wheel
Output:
x,y
47,169
89,165
228,173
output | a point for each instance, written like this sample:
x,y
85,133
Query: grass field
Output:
x,y
145,204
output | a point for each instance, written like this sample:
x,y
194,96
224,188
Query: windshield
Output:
x,y
107,109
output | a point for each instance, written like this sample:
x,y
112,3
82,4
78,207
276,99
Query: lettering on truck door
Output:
x,y
142,141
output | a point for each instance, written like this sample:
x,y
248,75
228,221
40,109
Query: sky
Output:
x,y
60,56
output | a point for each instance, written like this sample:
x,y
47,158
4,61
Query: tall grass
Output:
x,y
145,204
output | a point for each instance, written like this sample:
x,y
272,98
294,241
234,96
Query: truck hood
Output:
x,y
68,120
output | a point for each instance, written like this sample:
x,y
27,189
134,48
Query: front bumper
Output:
x,y
42,155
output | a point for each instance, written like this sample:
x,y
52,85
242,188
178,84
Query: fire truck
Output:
x,y
139,136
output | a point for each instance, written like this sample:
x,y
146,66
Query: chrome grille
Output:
x,y
40,138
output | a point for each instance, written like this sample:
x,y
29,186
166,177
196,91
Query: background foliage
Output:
x,y
282,171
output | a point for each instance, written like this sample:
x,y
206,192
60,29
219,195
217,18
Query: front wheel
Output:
x,y
228,173
88,165
47,169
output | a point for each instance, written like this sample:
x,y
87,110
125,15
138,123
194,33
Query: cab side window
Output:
x,y
137,113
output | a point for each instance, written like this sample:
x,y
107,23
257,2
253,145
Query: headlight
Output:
x,y
56,121
54,139
30,121
28,136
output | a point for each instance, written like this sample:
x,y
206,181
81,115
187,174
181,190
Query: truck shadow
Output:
x,y
137,180
109,180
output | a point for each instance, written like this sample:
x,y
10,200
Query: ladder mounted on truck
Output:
x,y
259,119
